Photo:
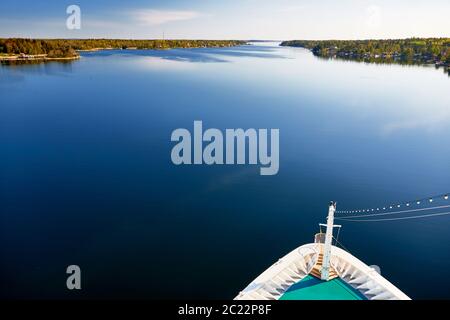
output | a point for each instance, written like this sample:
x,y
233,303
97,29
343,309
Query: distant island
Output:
x,y
421,51
18,49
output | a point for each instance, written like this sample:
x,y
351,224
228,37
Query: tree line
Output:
x,y
414,50
68,47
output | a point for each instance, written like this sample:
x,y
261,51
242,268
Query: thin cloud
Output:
x,y
296,8
158,17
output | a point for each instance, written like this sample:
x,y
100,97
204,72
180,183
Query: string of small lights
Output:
x,y
388,208
394,219
396,212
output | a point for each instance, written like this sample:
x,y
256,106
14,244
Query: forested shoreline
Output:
x,y
20,48
407,51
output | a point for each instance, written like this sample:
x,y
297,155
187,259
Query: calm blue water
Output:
x,y
86,176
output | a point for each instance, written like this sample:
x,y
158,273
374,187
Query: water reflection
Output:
x,y
197,54
388,61
60,67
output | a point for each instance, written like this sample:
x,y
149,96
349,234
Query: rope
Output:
x,y
337,237
394,219
343,247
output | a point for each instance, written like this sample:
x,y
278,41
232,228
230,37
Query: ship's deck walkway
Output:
x,y
311,288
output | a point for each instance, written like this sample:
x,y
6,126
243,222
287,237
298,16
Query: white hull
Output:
x,y
297,264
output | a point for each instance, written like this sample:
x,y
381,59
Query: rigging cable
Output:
x,y
337,237
343,247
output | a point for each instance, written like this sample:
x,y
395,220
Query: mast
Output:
x,y
325,271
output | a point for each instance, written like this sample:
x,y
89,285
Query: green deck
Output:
x,y
311,288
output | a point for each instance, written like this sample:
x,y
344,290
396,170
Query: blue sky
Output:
x,y
229,19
